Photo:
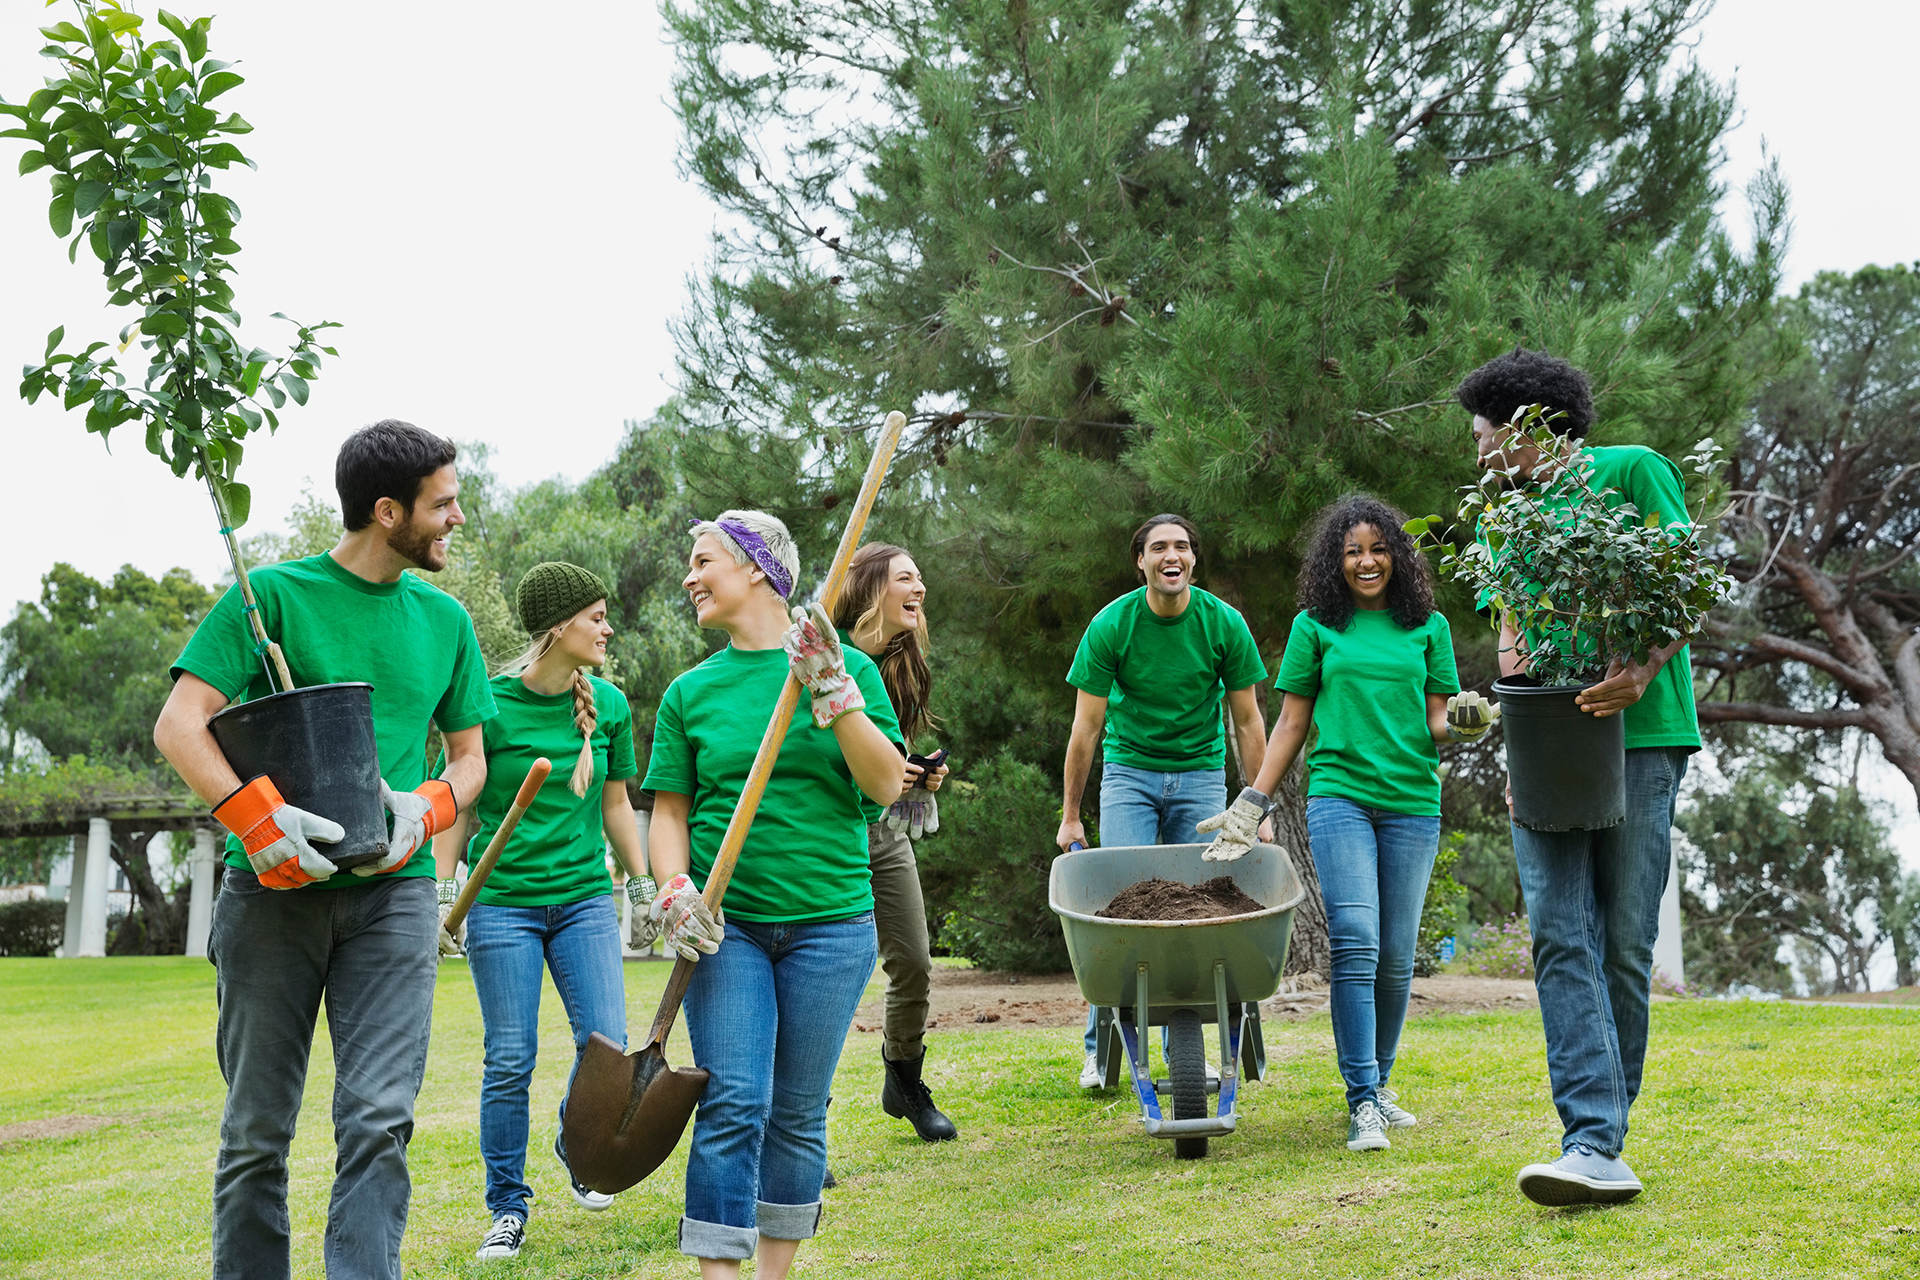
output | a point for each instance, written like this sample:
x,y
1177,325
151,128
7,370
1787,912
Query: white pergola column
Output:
x,y
206,863
76,881
1668,955
91,890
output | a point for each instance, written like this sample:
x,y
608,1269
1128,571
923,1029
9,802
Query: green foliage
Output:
x,y
129,134
1443,912
32,928
985,874
1782,856
65,788
1500,949
84,671
313,526
1585,581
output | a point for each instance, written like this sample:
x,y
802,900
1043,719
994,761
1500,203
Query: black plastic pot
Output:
x,y
317,746
1568,769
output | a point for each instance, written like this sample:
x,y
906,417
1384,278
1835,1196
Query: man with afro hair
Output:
x,y
1593,897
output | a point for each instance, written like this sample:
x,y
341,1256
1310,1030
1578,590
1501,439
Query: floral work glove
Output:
x,y
1239,826
642,928
815,658
1469,716
915,812
277,836
450,944
690,929
417,816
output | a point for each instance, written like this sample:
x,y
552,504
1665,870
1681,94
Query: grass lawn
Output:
x,y
1774,1141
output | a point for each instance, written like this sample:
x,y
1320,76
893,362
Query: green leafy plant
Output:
x,y
1585,576
130,135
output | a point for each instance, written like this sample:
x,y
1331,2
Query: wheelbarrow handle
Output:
x,y
1075,846
477,878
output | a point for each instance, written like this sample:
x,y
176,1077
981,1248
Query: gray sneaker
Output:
x,y
1367,1129
1091,1074
504,1238
1396,1116
1580,1176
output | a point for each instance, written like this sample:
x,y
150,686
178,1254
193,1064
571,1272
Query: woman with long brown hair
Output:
x,y
882,613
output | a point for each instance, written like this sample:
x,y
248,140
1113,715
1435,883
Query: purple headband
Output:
x,y
757,551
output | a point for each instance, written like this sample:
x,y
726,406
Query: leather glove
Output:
x,y
915,812
1239,826
277,836
816,660
690,929
1469,716
642,928
417,816
449,944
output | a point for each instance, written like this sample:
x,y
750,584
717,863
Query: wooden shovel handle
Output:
x,y
477,878
736,837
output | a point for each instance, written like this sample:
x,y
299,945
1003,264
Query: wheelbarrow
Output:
x,y
1177,974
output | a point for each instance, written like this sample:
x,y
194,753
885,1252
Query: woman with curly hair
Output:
x,y
1370,665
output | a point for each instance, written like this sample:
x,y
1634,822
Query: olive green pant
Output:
x,y
900,921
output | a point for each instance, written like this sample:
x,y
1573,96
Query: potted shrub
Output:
x,y
1587,579
131,136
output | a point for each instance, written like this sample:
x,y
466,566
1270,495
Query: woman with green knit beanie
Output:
x,y
547,901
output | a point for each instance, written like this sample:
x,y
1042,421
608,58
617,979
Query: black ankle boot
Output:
x,y
904,1097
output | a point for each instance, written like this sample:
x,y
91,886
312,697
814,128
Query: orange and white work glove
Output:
x,y
277,836
816,660
685,923
418,816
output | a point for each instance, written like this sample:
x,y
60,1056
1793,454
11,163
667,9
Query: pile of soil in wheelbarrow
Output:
x,y
1158,899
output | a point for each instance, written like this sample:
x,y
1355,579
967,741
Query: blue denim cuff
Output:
x,y
788,1221
716,1239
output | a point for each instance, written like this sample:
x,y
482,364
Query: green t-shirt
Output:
x,y
1665,715
558,853
1369,686
1163,679
806,854
411,641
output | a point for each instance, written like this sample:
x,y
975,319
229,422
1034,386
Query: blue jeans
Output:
x,y
767,1015
368,950
1142,807
1373,868
1593,903
506,946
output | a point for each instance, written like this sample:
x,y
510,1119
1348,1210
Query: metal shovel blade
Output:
x,y
625,1113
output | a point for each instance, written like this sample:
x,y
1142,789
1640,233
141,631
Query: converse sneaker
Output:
x,y
583,1195
1580,1176
1091,1076
1367,1129
504,1238
1396,1116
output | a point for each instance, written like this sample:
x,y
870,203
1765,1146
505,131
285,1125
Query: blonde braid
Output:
x,y
585,716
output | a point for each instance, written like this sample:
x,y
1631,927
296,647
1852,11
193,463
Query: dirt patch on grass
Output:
x,y
53,1127
979,1000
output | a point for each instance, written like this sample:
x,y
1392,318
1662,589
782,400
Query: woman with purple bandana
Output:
x,y
783,966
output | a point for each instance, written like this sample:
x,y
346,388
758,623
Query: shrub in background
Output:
x,y
32,928
1501,949
1440,914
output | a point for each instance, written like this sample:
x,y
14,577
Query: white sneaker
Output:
x,y
584,1196
1367,1129
504,1239
1091,1076
1213,1073
1396,1116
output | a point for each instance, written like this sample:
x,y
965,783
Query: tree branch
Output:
x,y
1786,717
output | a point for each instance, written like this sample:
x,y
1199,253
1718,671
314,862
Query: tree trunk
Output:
x,y
1312,952
163,920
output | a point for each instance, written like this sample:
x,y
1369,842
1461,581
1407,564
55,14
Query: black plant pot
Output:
x,y
1568,769
317,746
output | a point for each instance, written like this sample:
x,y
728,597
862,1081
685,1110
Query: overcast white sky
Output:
x,y
487,198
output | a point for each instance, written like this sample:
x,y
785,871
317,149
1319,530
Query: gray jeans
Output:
x,y
369,951
900,921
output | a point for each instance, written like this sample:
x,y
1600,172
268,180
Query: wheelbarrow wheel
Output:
x,y
1187,1069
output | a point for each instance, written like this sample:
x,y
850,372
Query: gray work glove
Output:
x,y
450,944
642,928
1239,826
1469,716
915,812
